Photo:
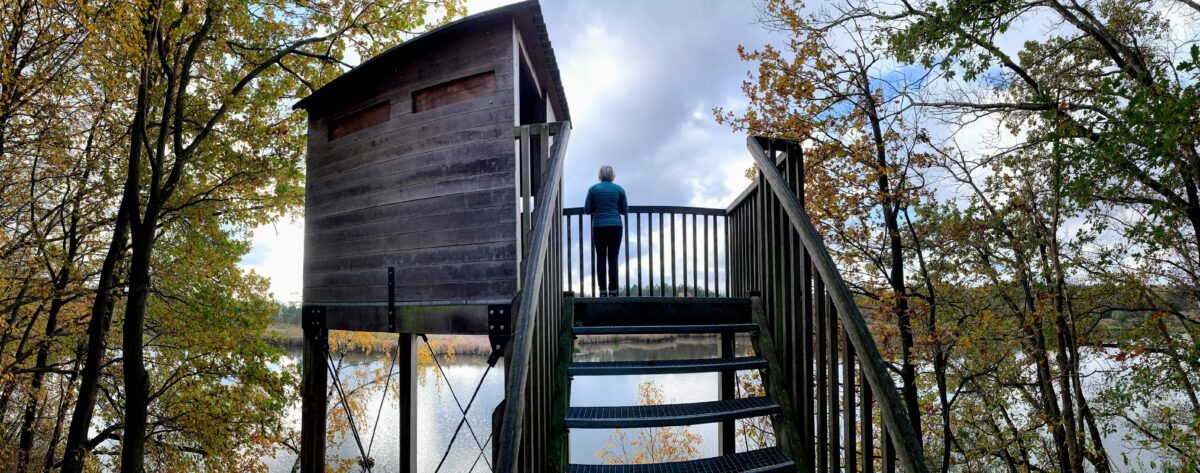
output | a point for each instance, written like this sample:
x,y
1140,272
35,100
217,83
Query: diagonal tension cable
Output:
x,y
366,460
383,397
463,420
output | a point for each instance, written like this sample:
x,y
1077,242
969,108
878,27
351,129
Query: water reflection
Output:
x,y
623,390
438,415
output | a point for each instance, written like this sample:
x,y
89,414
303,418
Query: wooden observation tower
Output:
x,y
415,195
434,206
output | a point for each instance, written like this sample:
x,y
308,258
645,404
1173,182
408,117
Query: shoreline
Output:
x,y
291,336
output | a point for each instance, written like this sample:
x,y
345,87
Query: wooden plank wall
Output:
x,y
427,192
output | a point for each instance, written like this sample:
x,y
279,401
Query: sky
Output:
x,y
641,79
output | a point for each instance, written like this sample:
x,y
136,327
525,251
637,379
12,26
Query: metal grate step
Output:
x,y
669,414
613,368
766,460
662,329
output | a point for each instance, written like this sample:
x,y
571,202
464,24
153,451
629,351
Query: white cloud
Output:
x,y
641,92
278,254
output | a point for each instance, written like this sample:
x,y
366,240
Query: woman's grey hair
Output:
x,y
607,173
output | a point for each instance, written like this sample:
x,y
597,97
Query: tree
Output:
x,y
862,155
650,445
1107,106
143,141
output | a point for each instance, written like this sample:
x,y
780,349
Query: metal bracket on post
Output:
x,y
313,404
312,317
499,330
391,299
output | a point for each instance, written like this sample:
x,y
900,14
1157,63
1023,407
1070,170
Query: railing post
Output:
x,y
406,363
728,380
313,403
526,175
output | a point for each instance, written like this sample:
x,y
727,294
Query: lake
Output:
x,y
438,414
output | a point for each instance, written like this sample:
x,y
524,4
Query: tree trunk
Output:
x,y
908,369
1035,333
101,317
940,359
48,464
25,444
62,279
137,390
81,417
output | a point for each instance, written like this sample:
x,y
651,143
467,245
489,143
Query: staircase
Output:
x,y
669,315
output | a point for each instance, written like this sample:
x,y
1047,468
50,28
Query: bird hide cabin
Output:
x,y
419,193
412,165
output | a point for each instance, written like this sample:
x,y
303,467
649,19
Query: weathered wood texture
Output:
x,y
360,120
426,187
466,88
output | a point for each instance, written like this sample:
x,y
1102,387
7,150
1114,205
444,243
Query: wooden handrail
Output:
x,y
526,307
895,418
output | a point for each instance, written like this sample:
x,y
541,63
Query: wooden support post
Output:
x,y
313,404
406,361
560,447
728,380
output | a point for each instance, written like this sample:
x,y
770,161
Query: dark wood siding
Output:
x,y
457,90
429,192
360,120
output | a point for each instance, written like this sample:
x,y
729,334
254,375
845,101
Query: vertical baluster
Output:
x,y
728,254
708,269
791,283
848,401
625,228
683,243
806,354
790,336
732,261
638,217
662,256
772,253
771,239
868,440
582,291
731,266
570,284
889,451
536,376
822,378
747,239
695,266
717,247
753,253
734,239
674,281
650,249
742,239
761,202
834,431
592,247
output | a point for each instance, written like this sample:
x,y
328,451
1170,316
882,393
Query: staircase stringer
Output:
x,y
786,432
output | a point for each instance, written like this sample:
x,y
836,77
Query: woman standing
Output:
x,y
606,203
